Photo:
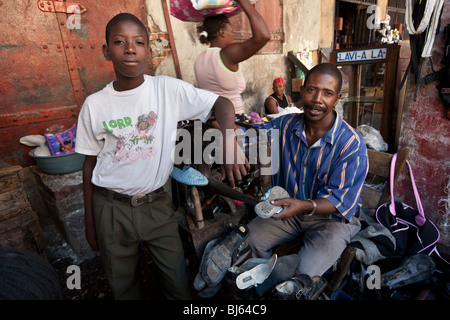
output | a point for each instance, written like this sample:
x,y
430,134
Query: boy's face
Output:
x,y
128,50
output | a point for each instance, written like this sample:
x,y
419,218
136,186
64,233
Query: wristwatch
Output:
x,y
313,210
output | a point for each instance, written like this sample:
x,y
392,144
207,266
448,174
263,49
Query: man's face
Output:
x,y
320,96
127,49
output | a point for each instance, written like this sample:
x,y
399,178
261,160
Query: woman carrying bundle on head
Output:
x,y
217,68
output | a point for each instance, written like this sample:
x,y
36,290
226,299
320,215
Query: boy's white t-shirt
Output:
x,y
132,132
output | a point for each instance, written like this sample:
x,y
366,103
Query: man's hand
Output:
x,y
291,207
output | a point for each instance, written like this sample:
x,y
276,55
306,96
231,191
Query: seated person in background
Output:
x,y
278,99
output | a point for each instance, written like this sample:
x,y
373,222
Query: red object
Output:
x,y
278,80
237,203
48,68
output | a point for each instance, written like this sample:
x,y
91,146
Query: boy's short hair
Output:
x,y
124,17
326,68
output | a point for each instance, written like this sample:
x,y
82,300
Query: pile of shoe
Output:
x,y
273,279
226,265
219,255
412,278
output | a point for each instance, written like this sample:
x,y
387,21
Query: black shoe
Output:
x,y
216,262
416,268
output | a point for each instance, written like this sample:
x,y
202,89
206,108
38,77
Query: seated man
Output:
x,y
322,165
278,99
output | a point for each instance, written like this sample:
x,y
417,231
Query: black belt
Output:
x,y
135,200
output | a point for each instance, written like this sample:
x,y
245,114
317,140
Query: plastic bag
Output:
x,y
211,4
185,10
373,138
36,141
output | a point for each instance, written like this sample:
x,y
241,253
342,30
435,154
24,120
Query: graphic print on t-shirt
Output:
x,y
137,143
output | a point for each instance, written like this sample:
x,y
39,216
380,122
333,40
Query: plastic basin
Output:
x,y
65,163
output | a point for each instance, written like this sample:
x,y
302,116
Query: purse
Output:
x,y
412,231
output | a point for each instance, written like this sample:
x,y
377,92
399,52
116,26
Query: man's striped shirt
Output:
x,y
334,168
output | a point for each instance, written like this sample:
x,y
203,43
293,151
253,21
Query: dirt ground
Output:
x,y
94,285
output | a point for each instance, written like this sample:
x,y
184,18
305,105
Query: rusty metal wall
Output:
x,y
272,12
51,59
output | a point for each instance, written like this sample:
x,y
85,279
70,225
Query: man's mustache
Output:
x,y
315,107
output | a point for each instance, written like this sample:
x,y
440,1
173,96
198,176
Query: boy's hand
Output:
x,y
91,237
236,167
237,170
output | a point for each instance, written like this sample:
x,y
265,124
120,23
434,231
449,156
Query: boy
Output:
x,y
125,132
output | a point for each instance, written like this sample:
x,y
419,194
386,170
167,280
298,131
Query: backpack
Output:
x,y
443,75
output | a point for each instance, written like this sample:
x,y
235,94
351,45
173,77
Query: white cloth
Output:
x,y
430,19
133,159
283,111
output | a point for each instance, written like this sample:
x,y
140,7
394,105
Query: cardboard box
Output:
x,y
296,84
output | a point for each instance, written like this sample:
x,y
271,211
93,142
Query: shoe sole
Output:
x,y
199,282
266,210
219,259
256,275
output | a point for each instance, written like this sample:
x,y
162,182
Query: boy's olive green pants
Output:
x,y
120,230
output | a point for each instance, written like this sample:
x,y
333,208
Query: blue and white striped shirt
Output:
x,y
334,168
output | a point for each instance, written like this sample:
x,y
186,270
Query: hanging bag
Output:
x,y
413,232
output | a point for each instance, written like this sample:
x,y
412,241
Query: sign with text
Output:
x,y
361,55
